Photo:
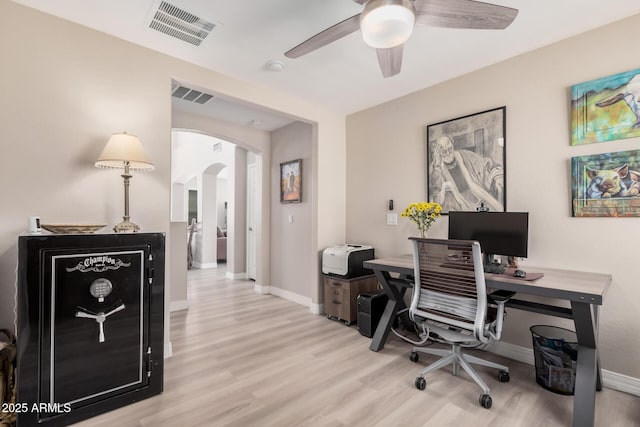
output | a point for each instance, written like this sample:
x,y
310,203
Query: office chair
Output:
x,y
450,299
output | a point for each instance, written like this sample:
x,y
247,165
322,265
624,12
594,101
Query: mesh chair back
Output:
x,y
449,283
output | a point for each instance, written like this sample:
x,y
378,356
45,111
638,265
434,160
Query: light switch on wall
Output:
x,y
290,219
392,219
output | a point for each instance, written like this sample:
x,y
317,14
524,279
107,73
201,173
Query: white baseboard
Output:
x,y
316,308
236,276
511,351
178,305
203,266
168,350
262,290
610,379
621,382
291,296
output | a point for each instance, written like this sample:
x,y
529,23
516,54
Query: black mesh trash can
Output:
x,y
555,351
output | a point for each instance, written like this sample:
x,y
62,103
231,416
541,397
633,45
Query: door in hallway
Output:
x,y
252,203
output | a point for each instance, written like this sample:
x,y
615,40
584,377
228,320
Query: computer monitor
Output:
x,y
499,233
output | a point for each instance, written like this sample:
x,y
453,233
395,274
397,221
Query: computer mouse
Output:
x,y
519,273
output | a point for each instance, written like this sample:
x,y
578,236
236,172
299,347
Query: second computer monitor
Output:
x,y
499,233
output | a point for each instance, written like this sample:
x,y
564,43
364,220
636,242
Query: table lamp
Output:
x,y
124,151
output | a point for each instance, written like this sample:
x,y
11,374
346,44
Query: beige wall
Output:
x,y
237,226
386,160
291,245
177,253
66,88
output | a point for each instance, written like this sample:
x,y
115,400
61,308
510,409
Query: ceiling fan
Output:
x,y
387,24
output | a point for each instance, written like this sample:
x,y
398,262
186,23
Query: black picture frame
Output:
x,y
466,162
291,181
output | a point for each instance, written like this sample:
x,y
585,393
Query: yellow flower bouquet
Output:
x,y
424,214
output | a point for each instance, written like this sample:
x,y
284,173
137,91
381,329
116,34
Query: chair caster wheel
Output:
x,y
421,383
504,377
414,356
485,401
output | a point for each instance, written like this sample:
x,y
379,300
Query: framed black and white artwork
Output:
x,y
466,162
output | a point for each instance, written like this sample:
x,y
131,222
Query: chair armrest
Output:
x,y
500,296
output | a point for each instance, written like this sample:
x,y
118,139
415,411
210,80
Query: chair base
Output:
x,y
455,357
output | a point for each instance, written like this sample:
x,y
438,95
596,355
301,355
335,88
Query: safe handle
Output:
x,y
99,318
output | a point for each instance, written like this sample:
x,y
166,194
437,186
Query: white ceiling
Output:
x,y
343,76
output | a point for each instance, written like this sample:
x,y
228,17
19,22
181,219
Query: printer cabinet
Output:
x,y
90,324
341,296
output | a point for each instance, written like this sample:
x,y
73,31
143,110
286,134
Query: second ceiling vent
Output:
x,y
192,95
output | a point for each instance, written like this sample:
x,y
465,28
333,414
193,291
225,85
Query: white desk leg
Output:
x,y
586,370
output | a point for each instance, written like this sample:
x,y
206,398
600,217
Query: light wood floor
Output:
x,y
243,359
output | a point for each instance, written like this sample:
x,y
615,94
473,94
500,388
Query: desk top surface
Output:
x,y
575,286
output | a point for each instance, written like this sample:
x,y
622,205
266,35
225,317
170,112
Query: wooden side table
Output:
x,y
340,296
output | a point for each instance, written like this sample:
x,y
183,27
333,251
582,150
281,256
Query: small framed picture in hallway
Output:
x,y
291,181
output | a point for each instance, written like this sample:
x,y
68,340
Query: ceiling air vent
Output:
x,y
180,24
191,94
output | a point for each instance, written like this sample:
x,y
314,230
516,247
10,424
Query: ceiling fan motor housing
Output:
x,y
387,23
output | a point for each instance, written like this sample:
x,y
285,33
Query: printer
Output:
x,y
346,260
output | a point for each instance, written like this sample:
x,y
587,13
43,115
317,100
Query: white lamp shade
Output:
x,y
387,23
122,148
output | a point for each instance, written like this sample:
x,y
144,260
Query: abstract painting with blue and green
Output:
x,y
606,109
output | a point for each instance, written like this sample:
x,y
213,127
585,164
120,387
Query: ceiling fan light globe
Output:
x,y
387,24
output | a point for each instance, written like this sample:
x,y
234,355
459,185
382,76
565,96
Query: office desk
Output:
x,y
583,290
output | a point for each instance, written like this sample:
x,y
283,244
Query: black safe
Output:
x,y
90,324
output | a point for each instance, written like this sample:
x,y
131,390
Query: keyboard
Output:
x,y
494,268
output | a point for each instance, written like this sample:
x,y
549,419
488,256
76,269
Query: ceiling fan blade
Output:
x,y
325,37
390,60
464,14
